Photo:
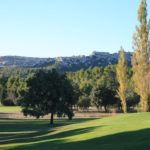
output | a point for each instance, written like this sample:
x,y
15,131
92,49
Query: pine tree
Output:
x,y
140,59
122,79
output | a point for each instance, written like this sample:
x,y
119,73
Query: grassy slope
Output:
x,y
9,109
122,132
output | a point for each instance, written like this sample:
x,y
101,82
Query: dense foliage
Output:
x,y
47,92
83,82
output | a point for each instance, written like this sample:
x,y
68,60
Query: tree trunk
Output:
x,y
105,107
52,119
144,103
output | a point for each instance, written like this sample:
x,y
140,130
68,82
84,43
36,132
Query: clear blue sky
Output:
x,y
50,28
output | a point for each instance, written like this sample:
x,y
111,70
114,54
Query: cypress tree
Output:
x,y
122,79
140,59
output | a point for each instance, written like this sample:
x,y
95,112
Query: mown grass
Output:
x,y
121,132
9,109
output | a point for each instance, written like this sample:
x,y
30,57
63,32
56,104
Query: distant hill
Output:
x,y
63,63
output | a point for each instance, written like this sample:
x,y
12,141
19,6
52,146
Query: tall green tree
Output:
x,y
47,92
121,70
140,59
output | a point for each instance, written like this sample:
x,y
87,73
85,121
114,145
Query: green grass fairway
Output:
x,y
9,109
122,132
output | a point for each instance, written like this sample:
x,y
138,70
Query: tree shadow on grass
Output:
x,y
34,131
44,135
135,140
35,125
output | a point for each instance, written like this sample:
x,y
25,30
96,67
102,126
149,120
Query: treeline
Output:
x,y
98,87
93,87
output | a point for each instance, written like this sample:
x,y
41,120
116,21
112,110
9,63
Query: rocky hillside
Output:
x,y
64,63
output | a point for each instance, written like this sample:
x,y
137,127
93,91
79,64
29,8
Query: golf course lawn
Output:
x,y
121,132
9,109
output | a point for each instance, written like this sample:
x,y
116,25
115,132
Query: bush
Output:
x,y
7,102
132,100
84,102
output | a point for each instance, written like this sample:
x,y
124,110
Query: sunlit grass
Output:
x,y
122,132
8,109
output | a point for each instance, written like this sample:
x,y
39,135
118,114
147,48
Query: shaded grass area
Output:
x,y
122,132
8,109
